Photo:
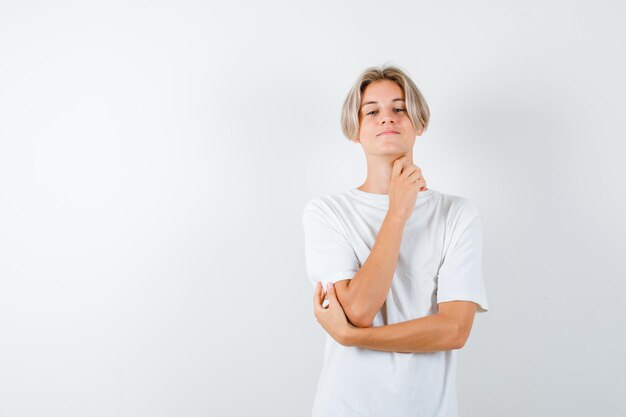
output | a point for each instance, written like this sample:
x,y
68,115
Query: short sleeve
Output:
x,y
328,254
461,274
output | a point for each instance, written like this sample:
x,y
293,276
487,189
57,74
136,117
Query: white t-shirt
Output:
x,y
440,260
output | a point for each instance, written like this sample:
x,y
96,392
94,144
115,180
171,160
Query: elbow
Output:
x,y
458,344
363,323
356,312
460,339
360,319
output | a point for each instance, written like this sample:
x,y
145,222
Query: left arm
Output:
x,y
446,330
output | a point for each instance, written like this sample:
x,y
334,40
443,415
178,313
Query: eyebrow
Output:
x,y
374,102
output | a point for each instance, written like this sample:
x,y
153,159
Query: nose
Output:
x,y
387,117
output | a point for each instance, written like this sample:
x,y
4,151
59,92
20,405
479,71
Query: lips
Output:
x,y
389,132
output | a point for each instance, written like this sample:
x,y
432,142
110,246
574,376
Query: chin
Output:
x,y
394,147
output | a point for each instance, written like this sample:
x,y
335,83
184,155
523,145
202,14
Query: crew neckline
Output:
x,y
385,197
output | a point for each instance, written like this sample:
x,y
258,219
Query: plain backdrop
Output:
x,y
155,158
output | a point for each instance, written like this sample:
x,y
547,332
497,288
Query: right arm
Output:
x,y
363,295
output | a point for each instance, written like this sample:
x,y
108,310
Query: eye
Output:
x,y
376,111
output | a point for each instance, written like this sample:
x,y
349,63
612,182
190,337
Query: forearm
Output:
x,y
370,286
431,333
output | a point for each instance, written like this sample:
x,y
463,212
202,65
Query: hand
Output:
x,y
406,182
332,317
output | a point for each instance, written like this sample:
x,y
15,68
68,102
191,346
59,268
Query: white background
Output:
x,y
155,158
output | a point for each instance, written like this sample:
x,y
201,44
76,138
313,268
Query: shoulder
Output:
x,y
315,205
323,204
457,209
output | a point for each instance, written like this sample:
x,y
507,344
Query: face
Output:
x,y
385,127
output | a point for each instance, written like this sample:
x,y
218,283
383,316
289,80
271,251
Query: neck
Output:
x,y
379,169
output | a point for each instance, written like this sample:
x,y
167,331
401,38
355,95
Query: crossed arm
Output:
x,y
361,297
448,329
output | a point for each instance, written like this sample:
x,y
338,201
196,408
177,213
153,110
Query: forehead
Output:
x,y
382,90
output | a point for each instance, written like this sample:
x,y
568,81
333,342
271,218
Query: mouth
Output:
x,y
389,132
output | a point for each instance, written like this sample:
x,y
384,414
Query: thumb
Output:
x,y
397,167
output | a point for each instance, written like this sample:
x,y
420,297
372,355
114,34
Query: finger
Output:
x,y
322,295
332,297
405,164
411,170
415,176
316,297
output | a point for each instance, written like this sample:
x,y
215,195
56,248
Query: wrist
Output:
x,y
352,336
396,218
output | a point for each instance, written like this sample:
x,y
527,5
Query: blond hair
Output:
x,y
417,108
